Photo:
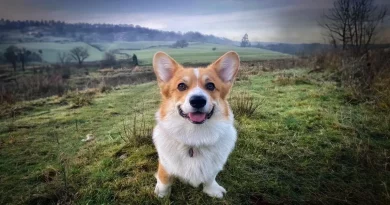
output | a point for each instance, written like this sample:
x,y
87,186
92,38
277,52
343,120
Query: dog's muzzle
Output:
x,y
196,117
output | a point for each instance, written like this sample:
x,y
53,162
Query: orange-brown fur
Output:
x,y
186,149
186,75
163,175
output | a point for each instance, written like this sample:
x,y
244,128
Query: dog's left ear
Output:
x,y
227,66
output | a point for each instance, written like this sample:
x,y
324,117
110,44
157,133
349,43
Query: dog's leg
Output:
x,y
213,189
164,182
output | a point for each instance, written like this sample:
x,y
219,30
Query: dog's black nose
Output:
x,y
197,101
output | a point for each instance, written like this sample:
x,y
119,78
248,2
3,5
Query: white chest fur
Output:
x,y
211,142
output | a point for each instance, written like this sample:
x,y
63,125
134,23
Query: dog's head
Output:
x,y
195,94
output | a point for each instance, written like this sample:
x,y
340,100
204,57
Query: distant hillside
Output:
x,y
58,31
304,48
294,49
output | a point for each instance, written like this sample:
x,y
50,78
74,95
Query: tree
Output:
x,y
34,57
23,56
353,24
109,58
63,58
11,55
135,59
180,44
79,54
245,41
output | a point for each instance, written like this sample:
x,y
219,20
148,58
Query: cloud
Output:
x,y
267,20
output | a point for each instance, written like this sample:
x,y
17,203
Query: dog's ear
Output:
x,y
227,66
164,66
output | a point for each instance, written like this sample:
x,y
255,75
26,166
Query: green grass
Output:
x,y
50,50
194,53
303,145
132,44
203,53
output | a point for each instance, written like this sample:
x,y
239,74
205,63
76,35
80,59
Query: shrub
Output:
x,y
364,77
34,57
243,104
104,88
214,48
180,44
109,58
36,86
291,79
80,99
66,72
138,132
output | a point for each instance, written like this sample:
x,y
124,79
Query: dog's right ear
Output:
x,y
164,66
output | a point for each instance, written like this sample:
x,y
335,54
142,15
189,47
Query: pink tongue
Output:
x,y
197,117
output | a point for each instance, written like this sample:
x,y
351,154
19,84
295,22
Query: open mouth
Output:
x,y
196,117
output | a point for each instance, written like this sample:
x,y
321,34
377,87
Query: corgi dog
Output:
x,y
195,132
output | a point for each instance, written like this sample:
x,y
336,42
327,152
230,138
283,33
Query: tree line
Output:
x,y
15,55
106,31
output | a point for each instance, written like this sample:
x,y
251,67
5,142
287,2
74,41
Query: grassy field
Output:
x,y
50,50
126,45
194,53
203,53
305,144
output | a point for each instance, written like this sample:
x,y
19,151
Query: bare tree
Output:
x,y
353,23
366,17
79,54
63,58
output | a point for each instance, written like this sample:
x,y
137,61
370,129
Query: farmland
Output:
x,y
194,53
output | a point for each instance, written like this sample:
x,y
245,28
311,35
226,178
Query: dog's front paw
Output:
x,y
214,190
162,190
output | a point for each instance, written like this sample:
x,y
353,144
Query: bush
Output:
x,y
41,86
104,88
109,58
291,79
80,99
34,57
243,104
29,87
138,132
365,77
66,72
214,48
180,44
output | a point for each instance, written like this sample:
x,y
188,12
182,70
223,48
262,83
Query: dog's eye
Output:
x,y
182,87
210,86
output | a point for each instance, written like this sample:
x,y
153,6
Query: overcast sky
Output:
x,y
293,21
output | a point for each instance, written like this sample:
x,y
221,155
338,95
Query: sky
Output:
x,y
290,21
